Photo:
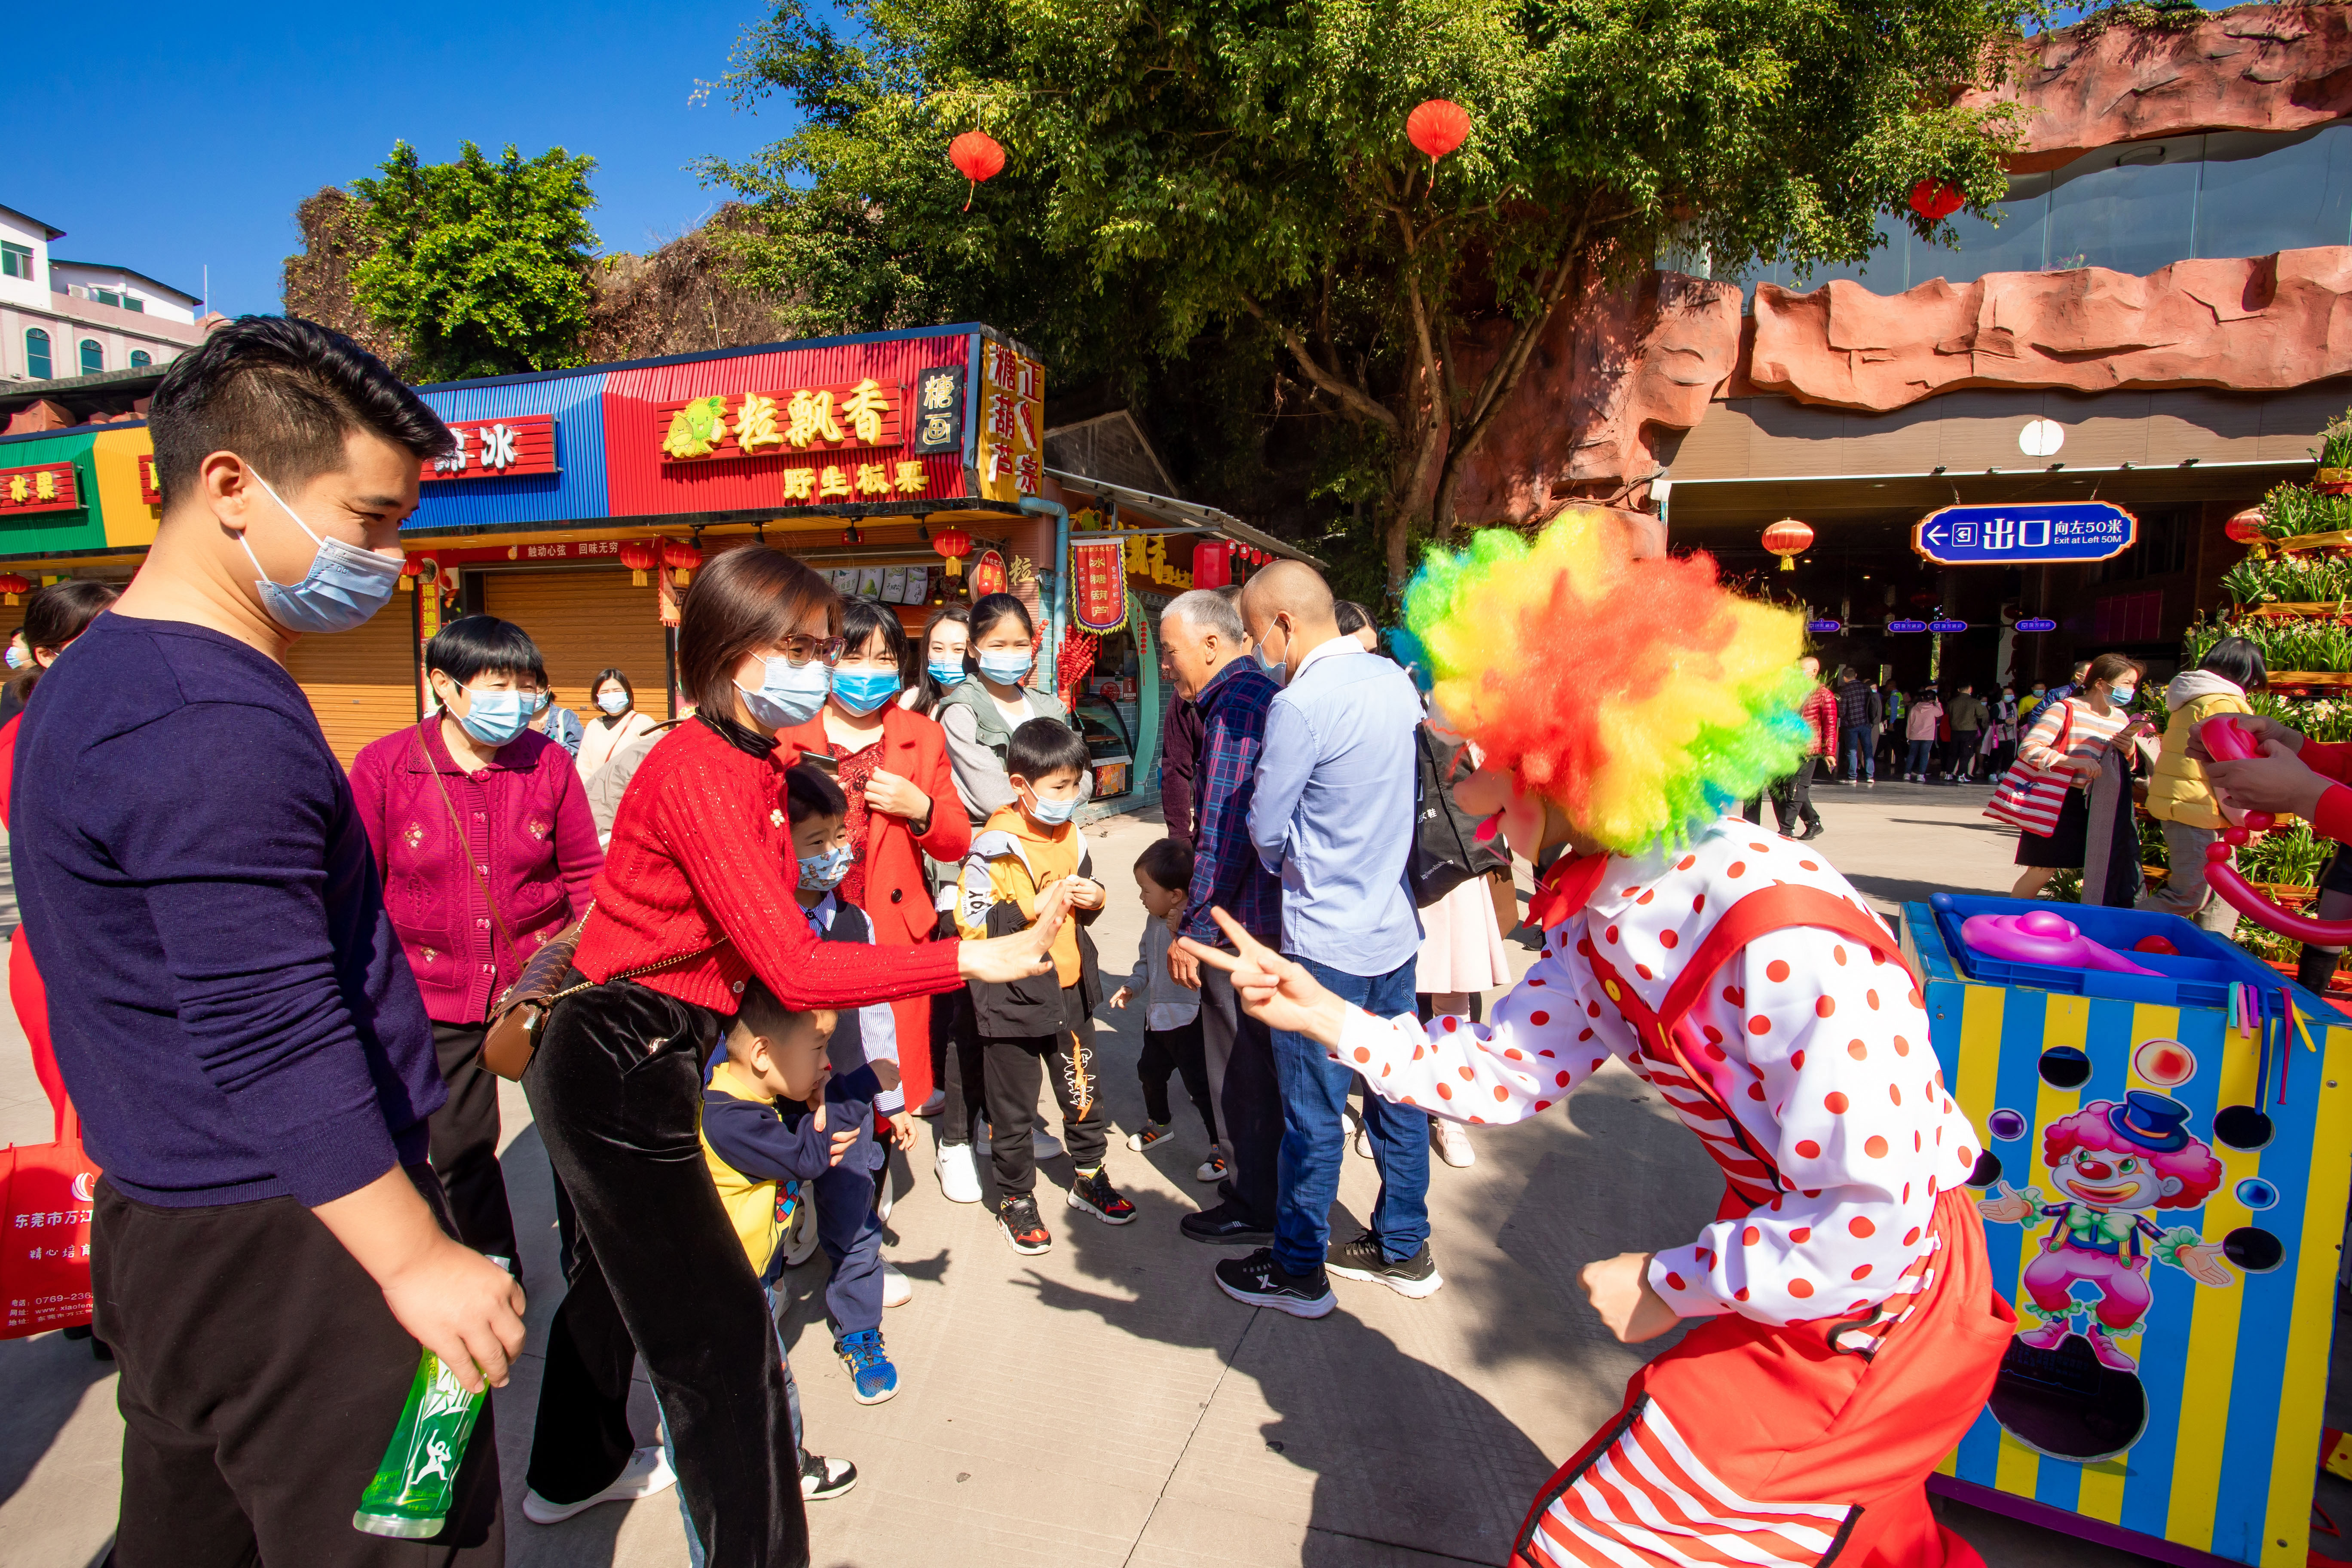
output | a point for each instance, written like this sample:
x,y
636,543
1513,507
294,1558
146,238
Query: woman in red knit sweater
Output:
x,y
696,898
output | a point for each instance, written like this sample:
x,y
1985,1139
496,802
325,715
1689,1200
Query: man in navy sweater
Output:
x,y
232,1015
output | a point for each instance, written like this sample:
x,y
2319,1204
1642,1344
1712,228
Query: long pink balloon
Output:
x,y
2230,743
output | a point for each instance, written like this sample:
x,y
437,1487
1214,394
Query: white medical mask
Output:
x,y
613,702
787,694
1007,667
827,869
18,658
344,587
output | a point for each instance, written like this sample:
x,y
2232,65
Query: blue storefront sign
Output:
x,y
1824,628
2037,624
2025,534
1906,626
1947,626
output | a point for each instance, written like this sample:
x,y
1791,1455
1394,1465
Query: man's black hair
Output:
x,y
484,644
1043,746
1168,862
808,793
281,393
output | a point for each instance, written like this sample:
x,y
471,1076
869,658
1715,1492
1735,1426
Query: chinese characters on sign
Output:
x,y
149,490
854,482
1098,585
860,414
938,411
1906,626
1011,424
496,448
50,486
1824,628
2037,624
2027,534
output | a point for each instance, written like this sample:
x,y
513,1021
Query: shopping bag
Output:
x,y
46,1193
2029,798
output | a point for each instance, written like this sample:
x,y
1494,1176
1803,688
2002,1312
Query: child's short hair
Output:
x,y
808,793
1043,746
757,1012
1166,862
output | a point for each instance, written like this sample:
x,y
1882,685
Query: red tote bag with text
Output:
x,y
44,1234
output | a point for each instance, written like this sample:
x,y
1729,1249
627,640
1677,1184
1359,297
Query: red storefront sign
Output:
x,y
46,486
842,417
987,574
497,449
1098,585
149,490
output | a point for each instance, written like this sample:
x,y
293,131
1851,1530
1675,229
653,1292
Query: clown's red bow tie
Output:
x,y
1566,887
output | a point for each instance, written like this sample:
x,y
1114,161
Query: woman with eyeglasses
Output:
x,y
696,901
483,839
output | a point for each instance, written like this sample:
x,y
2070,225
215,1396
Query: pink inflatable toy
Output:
x,y
2043,936
2230,743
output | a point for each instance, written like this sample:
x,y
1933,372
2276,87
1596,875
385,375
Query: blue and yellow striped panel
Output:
x,y
2234,1375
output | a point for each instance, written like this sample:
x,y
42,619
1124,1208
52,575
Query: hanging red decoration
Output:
x,y
1437,128
640,556
1936,201
2247,526
1788,539
12,584
1212,565
681,558
977,157
953,543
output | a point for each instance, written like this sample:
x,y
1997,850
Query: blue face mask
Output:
x,y
18,658
861,691
827,869
613,702
1052,813
344,588
2122,695
788,695
1006,667
948,674
494,718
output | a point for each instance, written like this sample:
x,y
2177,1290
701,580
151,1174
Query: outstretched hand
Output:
x,y
2278,781
1276,991
1000,959
1619,1290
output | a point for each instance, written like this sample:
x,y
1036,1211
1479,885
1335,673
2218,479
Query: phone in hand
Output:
x,y
823,763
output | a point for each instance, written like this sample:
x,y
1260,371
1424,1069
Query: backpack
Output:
x,y
1445,848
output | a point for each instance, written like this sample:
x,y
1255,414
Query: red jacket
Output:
x,y
897,894
526,820
1820,714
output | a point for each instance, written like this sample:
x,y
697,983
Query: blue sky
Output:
x,y
167,148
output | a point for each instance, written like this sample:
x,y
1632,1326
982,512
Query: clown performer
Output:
x,y
1846,1330
2111,1165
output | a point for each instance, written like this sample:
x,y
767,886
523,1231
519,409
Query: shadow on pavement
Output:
x,y
48,1376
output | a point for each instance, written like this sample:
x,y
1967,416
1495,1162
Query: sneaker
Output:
x,y
1149,1135
1363,1258
823,1479
1259,1280
1017,1218
884,1198
1227,1225
647,1472
1044,1145
931,1107
872,1378
1452,1142
800,1231
1211,1169
1353,1121
959,1174
1094,1193
896,1290
1870,783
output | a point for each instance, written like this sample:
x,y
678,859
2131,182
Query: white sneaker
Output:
x,y
1043,1144
896,1290
1152,1134
800,1239
934,1105
959,1174
885,1189
647,1472
1451,1144
1211,1169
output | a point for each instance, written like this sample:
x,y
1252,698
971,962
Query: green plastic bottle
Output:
x,y
411,1494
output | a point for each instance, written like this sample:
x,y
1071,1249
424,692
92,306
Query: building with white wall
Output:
x,y
60,320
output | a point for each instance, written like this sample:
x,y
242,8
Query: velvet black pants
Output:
x,y
616,1092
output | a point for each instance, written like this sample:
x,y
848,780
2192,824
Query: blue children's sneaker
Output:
x,y
872,1378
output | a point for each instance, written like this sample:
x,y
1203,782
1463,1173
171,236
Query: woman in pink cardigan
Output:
x,y
470,914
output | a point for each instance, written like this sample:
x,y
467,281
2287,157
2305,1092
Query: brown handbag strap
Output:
x,y
457,826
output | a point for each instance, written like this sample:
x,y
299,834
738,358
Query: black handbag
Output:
x,y
1445,848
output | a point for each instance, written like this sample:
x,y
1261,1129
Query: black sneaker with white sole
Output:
x,y
1093,1192
1363,1258
823,1479
1017,1218
1259,1280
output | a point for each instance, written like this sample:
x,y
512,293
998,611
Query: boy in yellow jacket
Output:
x,y
1027,857
2179,796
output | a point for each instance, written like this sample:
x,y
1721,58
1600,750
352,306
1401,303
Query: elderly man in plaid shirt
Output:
x,y
1210,667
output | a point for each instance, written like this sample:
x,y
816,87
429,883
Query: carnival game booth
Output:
x,y
2167,1131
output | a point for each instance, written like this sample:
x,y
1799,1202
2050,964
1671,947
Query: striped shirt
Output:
x,y
2085,738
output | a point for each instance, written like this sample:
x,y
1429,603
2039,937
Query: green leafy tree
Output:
x,y
1190,173
481,268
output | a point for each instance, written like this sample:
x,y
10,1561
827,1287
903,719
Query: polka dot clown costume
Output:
x,y
1846,1330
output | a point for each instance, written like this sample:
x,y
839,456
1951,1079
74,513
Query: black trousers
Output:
x,y
955,1055
1013,1068
1178,1050
1793,797
262,1375
616,1091
1249,1096
465,1149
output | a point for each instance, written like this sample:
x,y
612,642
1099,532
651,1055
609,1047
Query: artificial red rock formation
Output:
x,y
1600,386
2250,323
2256,67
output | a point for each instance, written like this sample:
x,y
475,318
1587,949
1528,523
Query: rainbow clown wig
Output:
x,y
1638,695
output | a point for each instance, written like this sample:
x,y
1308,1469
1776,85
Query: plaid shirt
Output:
x,y
1226,869
1820,714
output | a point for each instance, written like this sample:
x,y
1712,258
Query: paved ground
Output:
x,y
1104,1404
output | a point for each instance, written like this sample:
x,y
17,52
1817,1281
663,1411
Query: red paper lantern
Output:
x,y
1787,538
2247,526
640,556
977,157
1437,128
953,543
12,584
1936,201
681,558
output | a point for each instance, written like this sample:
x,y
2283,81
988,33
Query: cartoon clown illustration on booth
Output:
x,y
2113,1165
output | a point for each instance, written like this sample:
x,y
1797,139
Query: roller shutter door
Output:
x,y
361,684
585,621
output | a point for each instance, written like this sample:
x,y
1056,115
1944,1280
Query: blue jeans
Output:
x,y
1861,752
1314,1135
1922,759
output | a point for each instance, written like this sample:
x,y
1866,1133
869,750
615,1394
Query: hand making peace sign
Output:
x,y
1275,990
